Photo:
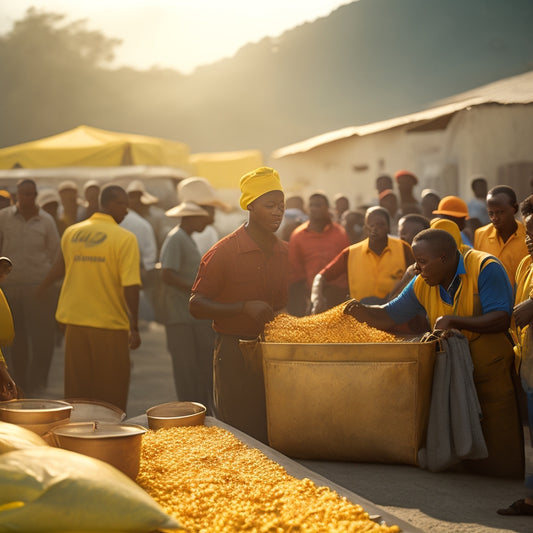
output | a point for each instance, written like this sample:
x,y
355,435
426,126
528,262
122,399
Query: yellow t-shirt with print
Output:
x,y
101,258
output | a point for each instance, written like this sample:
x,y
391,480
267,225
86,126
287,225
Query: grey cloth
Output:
x,y
454,427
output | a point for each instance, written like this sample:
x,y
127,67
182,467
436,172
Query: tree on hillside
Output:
x,y
50,68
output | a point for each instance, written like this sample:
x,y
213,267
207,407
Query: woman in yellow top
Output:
x,y
8,389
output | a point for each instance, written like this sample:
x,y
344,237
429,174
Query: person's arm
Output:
x,y
318,300
8,389
523,313
374,315
131,295
171,277
55,273
492,322
202,307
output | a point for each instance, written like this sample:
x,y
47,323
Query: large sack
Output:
x,y
13,437
50,489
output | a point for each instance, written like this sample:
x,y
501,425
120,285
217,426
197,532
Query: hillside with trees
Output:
x,y
367,61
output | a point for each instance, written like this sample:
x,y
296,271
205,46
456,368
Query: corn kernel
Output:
x,y
332,326
212,482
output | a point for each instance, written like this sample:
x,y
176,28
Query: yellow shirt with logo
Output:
x,y
370,274
510,252
101,258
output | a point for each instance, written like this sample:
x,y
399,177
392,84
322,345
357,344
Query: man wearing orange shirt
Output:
x,y
505,236
311,247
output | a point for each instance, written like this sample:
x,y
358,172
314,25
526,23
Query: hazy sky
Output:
x,y
180,34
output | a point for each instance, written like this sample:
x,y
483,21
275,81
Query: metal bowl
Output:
x,y
39,416
174,414
95,411
116,444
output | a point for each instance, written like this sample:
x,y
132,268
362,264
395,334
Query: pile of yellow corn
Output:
x,y
212,482
331,326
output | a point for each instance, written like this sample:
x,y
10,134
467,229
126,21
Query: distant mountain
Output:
x,y
367,61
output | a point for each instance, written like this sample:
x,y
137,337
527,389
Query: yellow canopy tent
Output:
x,y
224,169
87,146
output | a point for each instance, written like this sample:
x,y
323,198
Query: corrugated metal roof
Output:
x,y
514,90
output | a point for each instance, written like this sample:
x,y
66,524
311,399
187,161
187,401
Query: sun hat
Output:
x,y
256,183
200,191
47,196
452,206
67,185
90,183
146,197
186,209
427,192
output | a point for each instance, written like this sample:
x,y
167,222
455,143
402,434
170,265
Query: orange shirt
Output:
x,y
235,269
510,253
310,251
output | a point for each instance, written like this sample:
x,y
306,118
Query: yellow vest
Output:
x,y
523,291
466,301
370,274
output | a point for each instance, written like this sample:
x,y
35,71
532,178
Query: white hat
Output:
x,y
90,183
146,197
201,192
186,209
47,196
67,185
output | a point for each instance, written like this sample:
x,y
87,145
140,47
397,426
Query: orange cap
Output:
x,y
452,206
401,173
384,193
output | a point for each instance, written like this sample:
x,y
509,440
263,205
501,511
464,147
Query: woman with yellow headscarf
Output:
x,y
241,283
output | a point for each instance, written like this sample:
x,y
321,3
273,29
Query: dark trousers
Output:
x,y
239,387
191,349
31,354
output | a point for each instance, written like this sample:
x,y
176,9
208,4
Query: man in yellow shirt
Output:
x,y
505,236
99,301
469,292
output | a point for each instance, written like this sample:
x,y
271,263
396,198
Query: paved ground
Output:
x,y
436,503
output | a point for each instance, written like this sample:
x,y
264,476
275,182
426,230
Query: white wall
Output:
x,y
476,141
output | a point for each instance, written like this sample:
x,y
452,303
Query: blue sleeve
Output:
x,y
495,291
405,306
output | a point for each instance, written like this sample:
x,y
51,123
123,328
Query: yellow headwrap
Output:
x,y
256,183
451,227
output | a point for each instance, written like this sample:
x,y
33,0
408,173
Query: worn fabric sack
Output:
x,y
454,427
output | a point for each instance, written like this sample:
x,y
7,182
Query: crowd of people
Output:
x,y
404,263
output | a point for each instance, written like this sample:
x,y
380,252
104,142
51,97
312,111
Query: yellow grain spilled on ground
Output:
x,y
331,326
212,482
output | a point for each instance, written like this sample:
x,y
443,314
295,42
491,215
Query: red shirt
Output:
x,y
234,270
310,251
